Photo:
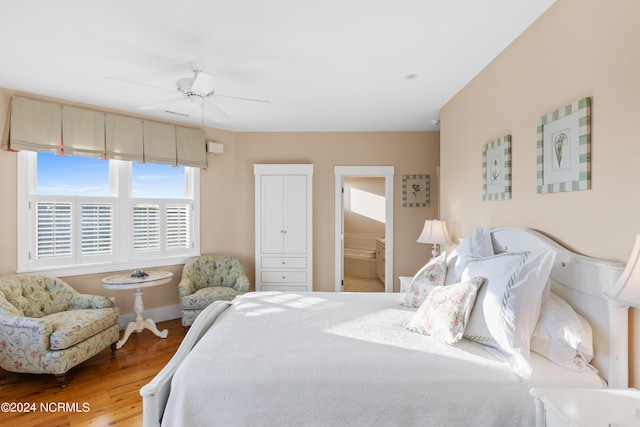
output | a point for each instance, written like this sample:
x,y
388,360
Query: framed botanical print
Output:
x,y
415,191
496,169
564,149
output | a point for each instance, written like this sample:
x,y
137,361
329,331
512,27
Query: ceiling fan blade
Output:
x,y
243,99
218,113
140,84
203,83
162,103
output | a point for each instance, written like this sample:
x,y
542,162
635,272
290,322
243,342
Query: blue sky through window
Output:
x,y
157,181
88,176
72,176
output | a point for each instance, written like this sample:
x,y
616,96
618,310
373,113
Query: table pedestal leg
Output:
x,y
140,323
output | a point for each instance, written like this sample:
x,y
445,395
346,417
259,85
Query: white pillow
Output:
x,y
477,245
563,336
445,311
508,305
428,277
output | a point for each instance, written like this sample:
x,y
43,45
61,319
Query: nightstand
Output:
x,y
587,407
405,282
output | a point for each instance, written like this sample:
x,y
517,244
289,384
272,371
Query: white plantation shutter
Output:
x,y
96,228
53,230
72,230
146,227
178,226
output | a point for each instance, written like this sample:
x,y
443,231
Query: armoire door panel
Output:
x,y
295,214
272,211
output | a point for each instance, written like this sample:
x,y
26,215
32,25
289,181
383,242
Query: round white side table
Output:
x,y
125,281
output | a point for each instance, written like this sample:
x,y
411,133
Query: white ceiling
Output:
x,y
324,65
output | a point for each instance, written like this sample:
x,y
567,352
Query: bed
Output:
x,y
323,359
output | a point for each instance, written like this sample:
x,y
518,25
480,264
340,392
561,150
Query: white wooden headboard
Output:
x,y
581,280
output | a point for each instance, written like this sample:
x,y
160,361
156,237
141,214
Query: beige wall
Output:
x,y
227,198
409,152
578,48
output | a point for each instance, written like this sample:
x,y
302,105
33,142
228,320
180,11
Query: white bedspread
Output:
x,y
331,359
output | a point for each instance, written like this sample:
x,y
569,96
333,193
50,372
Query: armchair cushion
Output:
x,y
74,326
203,297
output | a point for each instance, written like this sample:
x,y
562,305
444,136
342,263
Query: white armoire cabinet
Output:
x,y
284,227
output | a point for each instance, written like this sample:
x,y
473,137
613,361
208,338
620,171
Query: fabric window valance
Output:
x,y
35,126
82,132
188,144
123,137
50,127
159,143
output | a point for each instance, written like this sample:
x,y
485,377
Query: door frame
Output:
x,y
385,172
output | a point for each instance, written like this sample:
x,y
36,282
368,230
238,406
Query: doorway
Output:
x,y
381,208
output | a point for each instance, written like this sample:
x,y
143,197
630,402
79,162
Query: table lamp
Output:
x,y
434,232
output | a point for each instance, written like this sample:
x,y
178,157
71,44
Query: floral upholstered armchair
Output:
x,y
47,327
206,279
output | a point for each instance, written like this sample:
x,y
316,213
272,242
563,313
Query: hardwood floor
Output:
x,y
102,391
362,284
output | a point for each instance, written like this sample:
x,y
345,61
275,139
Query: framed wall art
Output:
x,y
564,149
496,169
415,191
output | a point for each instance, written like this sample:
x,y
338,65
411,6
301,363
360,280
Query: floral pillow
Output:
x,y
446,310
431,275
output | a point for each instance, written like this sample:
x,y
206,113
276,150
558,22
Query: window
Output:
x,y
86,215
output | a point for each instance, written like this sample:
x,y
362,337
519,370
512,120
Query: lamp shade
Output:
x,y
626,290
435,232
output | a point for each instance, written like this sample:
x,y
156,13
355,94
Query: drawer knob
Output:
x,y
284,262
284,277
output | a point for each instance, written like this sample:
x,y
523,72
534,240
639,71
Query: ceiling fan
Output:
x,y
198,91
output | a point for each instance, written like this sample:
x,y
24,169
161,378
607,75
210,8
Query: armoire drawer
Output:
x,y
283,288
284,262
284,277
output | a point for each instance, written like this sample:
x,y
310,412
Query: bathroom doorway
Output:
x,y
364,228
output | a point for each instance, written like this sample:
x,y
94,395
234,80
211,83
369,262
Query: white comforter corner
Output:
x,y
331,359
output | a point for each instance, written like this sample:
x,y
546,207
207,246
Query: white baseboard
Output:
x,y
159,314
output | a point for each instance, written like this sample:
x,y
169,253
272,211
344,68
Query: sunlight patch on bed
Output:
x,y
277,302
384,328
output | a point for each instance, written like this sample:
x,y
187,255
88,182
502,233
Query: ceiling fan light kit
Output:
x,y
203,83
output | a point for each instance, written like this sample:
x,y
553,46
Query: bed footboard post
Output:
x,y
618,375
540,411
155,394
151,411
